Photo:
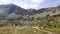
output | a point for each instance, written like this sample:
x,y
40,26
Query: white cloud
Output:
x,y
24,3
29,3
37,1
26,6
4,0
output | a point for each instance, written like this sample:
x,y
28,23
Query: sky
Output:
x,y
34,4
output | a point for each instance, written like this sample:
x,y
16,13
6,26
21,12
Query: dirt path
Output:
x,y
17,28
43,30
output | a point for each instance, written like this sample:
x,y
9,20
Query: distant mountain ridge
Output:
x,y
11,9
14,11
45,11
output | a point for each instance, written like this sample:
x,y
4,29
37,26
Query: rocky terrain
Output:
x,y
11,12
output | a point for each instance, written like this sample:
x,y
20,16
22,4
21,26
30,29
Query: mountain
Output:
x,y
11,11
44,12
10,14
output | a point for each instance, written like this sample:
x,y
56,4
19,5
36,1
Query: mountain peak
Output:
x,y
12,4
58,5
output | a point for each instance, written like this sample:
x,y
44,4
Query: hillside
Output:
x,y
12,14
11,11
45,11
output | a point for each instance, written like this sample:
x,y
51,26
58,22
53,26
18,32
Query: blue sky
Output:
x,y
34,4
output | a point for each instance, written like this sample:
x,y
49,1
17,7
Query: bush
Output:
x,y
1,25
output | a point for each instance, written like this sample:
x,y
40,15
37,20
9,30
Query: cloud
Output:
x,y
24,3
37,1
27,4
4,1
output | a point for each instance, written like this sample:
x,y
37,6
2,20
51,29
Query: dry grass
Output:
x,y
19,30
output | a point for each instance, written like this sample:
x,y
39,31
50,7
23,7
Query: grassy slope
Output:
x,y
56,30
30,31
6,30
14,30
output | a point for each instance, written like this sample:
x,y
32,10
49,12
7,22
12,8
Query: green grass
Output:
x,y
55,30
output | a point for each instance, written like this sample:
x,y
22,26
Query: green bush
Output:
x,y
1,25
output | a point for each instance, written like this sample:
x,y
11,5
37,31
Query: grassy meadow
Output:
x,y
19,30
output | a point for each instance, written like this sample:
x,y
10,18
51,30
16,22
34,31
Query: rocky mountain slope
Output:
x,y
13,11
45,11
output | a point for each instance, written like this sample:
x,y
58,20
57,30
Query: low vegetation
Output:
x,y
19,30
